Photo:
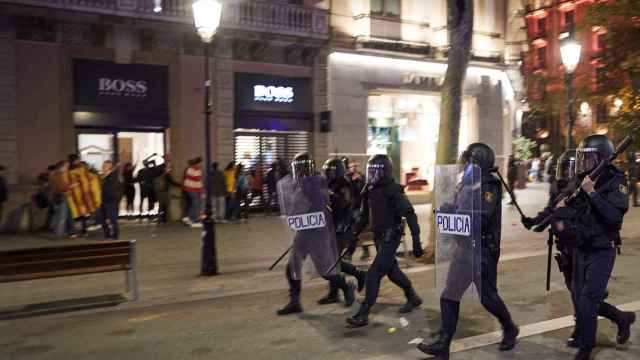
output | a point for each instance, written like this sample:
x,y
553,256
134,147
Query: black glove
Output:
x,y
417,247
528,222
447,208
352,247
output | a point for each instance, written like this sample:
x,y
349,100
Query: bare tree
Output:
x,y
460,32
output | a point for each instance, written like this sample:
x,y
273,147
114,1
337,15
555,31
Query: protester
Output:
x,y
111,194
193,186
84,195
244,191
145,178
230,181
218,193
129,188
59,180
162,186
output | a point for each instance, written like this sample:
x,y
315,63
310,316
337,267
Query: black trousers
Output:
x,y
489,297
295,285
343,239
385,264
591,273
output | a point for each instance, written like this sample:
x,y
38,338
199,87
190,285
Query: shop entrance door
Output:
x,y
257,150
130,149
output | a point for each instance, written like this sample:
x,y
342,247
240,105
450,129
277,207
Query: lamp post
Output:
x,y
206,15
570,53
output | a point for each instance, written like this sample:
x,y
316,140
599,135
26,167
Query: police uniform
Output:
x,y
491,221
594,259
384,204
341,206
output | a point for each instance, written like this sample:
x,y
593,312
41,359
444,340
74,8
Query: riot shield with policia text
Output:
x,y
311,234
457,212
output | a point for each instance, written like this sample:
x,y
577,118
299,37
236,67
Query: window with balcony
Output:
x,y
600,42
390,8
569,20
600,77
541,57
541,30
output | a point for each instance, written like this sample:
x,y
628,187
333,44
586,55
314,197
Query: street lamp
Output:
x,y
570,53
206,15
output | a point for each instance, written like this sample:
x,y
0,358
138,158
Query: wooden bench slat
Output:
x,y
60,273
63,265
63,255
67,248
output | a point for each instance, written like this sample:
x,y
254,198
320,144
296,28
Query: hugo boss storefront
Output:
x,y
120,111
273,118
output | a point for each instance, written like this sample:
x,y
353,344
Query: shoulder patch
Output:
x,y
624,189
488,196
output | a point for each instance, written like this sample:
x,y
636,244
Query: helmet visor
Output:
x,y
375,173
566,169
330,172
302,168
586,160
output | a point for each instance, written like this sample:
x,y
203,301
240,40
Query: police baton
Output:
x,y
549,254
513,197
344,253
281,257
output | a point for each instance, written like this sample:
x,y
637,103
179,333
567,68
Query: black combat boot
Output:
x,y
624,327
291,308
361,276
583,354
349,293
509,335
295,286
361,318
439,349
332,297
413,301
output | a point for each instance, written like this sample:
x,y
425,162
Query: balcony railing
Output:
x,y
250,15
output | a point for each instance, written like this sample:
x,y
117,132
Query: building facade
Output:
x,y
386,67
114,79
549,22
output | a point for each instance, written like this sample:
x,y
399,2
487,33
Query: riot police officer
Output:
x,y
481,155
384,204
340,199
566,183
592,223
306,192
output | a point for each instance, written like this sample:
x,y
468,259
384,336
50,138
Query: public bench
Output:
x,y
70,260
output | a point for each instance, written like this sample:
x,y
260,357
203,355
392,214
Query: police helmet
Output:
x,y
479,154
566,165
334,169
591,151
302,166
379,167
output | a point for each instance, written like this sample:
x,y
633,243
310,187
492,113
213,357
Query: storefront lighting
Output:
x,y
206,15
423,67
602,131
157,6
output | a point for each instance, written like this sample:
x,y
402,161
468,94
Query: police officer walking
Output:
x,y
304,193
384,204
481,155
565,183
341,199
594,239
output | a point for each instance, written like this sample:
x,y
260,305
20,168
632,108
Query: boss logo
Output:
x,y
273,94
122,87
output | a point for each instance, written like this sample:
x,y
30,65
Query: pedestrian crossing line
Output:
x,y
479,341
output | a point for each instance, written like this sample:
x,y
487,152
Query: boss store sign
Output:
x,y
106,86
258,92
